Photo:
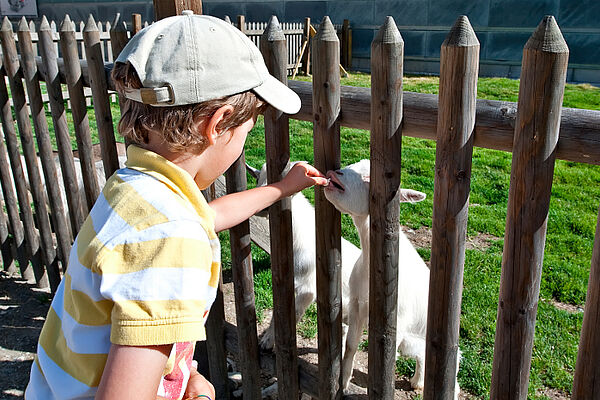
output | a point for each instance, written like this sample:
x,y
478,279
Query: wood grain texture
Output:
x,y
387,51
61,129
75,83
22,225
6,248
15,75
136,23
586,384
326,129
167,8
494,123
42,136
543,74
99,86
243,282
454,149
277,140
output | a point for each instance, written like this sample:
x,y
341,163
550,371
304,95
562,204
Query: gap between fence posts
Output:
x,y
387,51
543,75
326,109
61,129
243,282
74,79
15,75
274,50
454,151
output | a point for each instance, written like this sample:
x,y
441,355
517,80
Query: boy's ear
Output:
x,y
211,123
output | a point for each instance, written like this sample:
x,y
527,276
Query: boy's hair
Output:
x,y
177,125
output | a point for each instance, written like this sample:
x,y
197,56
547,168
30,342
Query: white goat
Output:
x,y
348,191
304,246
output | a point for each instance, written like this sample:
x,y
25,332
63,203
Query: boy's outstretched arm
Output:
x,y
237,207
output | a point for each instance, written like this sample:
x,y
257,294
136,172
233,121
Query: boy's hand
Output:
x,y
198,385
301,176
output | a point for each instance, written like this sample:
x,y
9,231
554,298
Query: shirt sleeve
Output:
x,y
159,284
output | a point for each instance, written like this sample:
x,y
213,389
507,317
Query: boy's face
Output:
x,y
220,155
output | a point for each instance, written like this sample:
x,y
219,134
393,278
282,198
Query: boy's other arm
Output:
x,y
133,372
237,207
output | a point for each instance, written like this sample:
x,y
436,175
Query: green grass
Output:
x,y
571,225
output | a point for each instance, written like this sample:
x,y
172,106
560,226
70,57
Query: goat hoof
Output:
x,y
416,384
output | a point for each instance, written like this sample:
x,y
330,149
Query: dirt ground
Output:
x,y
23,309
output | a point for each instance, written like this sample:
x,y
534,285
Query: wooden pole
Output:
x,y
454,150
241,264
136,23
543,74
6,249
74,80
586,384
274,50
168,8
42,136
345,43
326,109
215,338
118,36
26,238
12,211
98,83
15,75
306,57
387,51
61,129
241,23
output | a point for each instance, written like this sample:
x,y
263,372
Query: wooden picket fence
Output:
x,y
41,241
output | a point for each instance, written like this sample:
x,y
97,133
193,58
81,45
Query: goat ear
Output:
x,y
252,171
411,196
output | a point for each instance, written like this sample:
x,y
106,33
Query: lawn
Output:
x,y
571,226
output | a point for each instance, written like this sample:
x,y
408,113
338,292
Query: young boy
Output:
x,y
144,268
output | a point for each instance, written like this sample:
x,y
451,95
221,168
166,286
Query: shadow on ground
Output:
x,y
23,309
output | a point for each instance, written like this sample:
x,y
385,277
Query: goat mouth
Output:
x,y
334,182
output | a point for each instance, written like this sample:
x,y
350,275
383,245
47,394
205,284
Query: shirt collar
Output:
x,y
176,178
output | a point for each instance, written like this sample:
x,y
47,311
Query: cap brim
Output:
x,y
279,95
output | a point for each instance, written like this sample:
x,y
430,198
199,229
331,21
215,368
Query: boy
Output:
x,y
144,268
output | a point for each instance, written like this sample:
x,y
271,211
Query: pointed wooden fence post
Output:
x,y
459,67
23,226
12,211
99,86
61,129
387,51
15,75
274,50
543,74
42,136
6,248
74,78
326,128
243,282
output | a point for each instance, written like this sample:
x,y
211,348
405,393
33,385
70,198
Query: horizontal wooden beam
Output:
x,y
579,138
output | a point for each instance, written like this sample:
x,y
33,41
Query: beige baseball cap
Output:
x,y
188,59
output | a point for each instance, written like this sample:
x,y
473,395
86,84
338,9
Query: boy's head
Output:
x,y
180,70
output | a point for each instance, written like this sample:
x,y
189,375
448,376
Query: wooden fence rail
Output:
x,y
536,130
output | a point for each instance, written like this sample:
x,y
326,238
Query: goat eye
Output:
x,y
339,173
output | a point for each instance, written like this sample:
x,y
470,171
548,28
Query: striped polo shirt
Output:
x,y
143,271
